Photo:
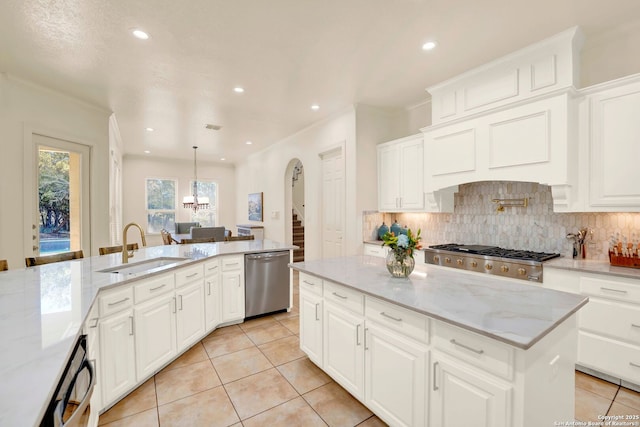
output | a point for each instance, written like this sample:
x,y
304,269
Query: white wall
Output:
x,y
136,169
24,105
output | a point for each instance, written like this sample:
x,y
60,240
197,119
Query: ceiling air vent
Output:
x,y
212,127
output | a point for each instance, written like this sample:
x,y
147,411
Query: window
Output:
x,y
161,204
206,217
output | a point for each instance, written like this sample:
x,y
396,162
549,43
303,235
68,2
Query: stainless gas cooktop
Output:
x,y
517,264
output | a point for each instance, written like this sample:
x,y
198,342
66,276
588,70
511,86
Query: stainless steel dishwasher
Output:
x,y
266,282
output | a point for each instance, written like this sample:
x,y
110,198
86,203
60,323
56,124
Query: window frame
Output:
x,y
149,212
213,203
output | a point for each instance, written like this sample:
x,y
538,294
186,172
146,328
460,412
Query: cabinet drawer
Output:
x,y
615,319
375,250
232,263
485,353
610,289
211,267
115,300
408,322
153,287
341,295
310,283
188,275
609,356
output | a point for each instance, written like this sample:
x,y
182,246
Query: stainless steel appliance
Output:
x,y
70,404
266,282
513,263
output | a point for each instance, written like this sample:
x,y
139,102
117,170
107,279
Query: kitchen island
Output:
x,y
441,348
44,309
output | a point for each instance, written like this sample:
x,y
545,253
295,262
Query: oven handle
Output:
x,y
60,407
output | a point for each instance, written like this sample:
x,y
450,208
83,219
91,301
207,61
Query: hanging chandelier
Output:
x,y
194,202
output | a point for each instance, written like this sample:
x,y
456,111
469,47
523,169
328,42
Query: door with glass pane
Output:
x,y
61,216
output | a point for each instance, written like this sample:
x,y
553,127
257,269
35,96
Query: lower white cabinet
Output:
x,y
232,288
117,355
462,396
212,292
395,376
155,331
189,314
344,348
311,325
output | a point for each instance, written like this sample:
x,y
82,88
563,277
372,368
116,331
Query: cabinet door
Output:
x,y
388,178
189,314
343,354
232,296
213,316
155,329
311,326
117,356
411,171
463,396
396,376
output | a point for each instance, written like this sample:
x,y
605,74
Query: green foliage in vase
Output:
x,y
404,244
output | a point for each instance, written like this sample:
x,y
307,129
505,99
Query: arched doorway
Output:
x,y
295,207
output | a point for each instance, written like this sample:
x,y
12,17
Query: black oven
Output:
x,y
69,406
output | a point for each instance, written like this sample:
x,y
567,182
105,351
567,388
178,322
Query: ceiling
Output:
x,y
286,54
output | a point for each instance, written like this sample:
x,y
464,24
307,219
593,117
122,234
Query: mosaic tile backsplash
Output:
x,y
475,220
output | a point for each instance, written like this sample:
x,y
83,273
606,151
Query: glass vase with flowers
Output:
x,y
400,262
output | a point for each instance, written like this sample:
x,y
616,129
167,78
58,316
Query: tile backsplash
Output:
x,y
475,220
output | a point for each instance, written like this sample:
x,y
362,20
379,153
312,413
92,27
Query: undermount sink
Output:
x,y
146,266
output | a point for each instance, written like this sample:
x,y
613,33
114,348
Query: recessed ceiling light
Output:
x,y
140,34
315,107
147,152
429,45
238,89
248,142
223,159
149,129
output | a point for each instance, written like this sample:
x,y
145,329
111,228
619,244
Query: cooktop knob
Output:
x,y
436,258
488,266
459,261
522,271
447,260
504,268
474,264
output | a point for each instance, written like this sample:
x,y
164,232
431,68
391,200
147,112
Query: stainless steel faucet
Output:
x,y
125,253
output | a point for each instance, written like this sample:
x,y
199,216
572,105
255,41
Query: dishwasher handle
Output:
x,y
267,255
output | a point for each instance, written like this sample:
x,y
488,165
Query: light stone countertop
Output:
x,y
593,266
42,310
514,313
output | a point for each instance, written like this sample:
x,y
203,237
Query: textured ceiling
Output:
x,y
287,54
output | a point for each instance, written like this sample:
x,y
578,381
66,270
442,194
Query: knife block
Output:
x,y
624,261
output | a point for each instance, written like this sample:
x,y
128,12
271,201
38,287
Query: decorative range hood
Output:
x,y
514,119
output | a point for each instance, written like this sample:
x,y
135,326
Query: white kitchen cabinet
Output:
x,y
400,175
232,288
463,396
311,313
212,293
376,250
155,330
117,356
613,131
189,314
395,376
343,348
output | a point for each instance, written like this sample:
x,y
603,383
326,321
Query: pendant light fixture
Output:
x,y
194,202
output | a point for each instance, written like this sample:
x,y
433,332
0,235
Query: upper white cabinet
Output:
x,y
611,134
400,171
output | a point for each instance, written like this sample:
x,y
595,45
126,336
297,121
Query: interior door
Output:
x,y
60,191
333,204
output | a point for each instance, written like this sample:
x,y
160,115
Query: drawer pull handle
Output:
x,y
209,287
180,296
131,330
365,339
215,267
635,326
454,342
397,319
232,263
358,334
435,367
158,287
620,291
192,275
308,283
339,296
317,305
118,302
635,365
95,325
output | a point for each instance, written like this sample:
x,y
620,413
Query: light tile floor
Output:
x,y
254,374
